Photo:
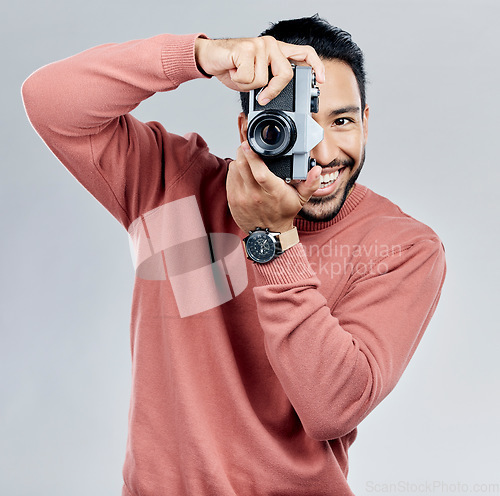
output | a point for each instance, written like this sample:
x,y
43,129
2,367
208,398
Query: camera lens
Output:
x,y
271,134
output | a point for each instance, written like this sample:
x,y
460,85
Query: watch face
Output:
x,y
260,247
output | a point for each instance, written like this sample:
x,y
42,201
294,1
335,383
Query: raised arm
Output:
x,y
80,107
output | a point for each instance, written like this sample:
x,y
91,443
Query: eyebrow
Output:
x,y
344,110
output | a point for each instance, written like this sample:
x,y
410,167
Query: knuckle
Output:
x,y
260,177
260,41
247,47
288,71
268,39
284,75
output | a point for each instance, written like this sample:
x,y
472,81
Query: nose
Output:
x,y
324,152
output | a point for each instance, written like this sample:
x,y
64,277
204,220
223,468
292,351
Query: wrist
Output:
x,y
263,245
273,228
200,45
282,228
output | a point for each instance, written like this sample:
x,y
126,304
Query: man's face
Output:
x,y
342,150
341,153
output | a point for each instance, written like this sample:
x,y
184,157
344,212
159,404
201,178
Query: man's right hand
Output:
x,y
242,63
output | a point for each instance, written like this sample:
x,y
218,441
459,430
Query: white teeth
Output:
x,y
328,178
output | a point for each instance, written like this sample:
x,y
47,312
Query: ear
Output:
x,y
366,114
242,126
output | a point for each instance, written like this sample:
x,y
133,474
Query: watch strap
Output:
x,y
288,239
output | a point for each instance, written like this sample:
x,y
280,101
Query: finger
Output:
x,y
236,184
306,188
282,74
261,70
268,181
244,170
233,175
244,63
304,53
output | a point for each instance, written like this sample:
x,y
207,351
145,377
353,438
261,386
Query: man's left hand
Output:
x,y
259,198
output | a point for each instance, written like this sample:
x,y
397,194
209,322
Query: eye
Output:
x,y
342,121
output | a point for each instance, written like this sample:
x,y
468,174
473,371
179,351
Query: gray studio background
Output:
x,y
67,275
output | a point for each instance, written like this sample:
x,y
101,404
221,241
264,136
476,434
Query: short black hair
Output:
x,y
330,42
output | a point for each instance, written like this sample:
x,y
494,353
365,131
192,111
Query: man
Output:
x,y
248,378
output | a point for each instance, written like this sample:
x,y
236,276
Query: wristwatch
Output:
x,y
263,245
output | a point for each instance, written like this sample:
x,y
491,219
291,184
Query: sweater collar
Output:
x,y
352,201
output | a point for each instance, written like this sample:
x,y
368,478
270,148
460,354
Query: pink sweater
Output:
x,y
247,379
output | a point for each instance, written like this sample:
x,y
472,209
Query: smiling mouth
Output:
x,y
328,179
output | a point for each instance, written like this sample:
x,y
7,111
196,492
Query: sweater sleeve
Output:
x,y
80,107
336,365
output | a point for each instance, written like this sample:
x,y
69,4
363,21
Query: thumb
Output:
x,y
311,184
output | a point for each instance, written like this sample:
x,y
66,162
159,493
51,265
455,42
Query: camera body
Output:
x,y
283,132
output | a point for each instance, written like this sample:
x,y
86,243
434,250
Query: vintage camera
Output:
x,y
283,132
